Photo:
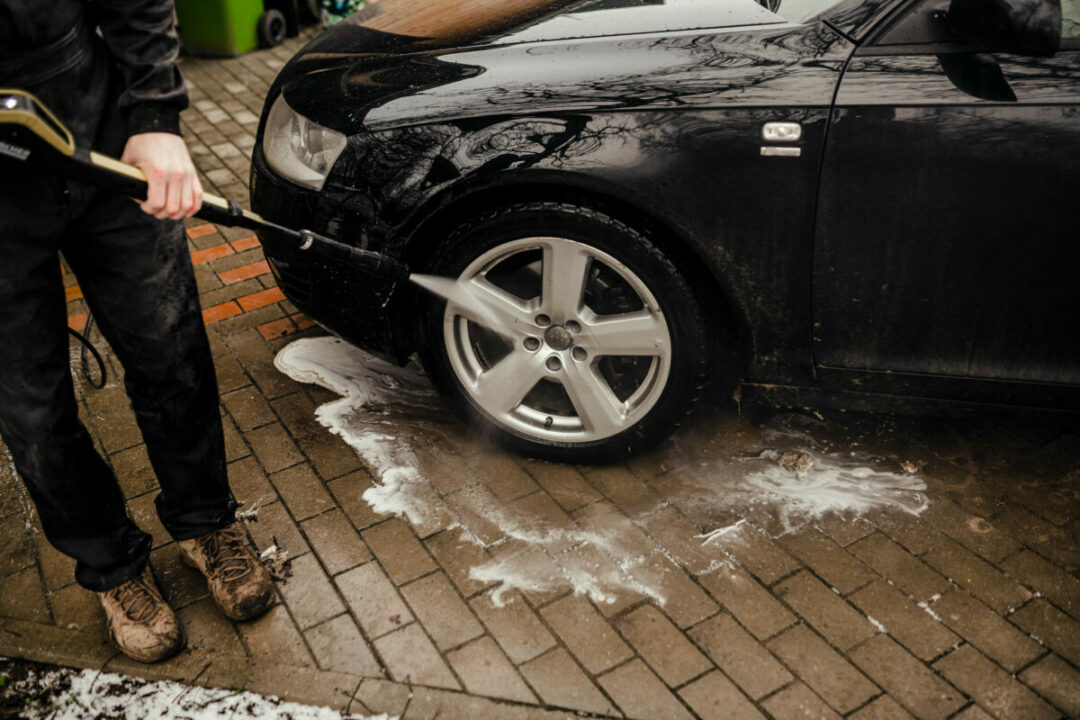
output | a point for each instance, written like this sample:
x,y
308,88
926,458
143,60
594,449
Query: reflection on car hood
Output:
x,y
399,48
623,17
431,26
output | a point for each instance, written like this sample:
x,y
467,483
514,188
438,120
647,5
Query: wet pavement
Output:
x,y
861,567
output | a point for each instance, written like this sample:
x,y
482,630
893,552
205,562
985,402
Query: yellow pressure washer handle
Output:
x,y
32,135
18,107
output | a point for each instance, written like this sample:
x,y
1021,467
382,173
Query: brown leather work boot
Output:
x,y
238,582
140,621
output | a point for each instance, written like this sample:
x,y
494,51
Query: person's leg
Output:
x,y
80,505
79,502
136,275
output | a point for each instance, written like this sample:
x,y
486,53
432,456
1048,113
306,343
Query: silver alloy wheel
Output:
x,y
534,315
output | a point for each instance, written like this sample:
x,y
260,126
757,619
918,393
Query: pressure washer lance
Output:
x,y
31,134
32,137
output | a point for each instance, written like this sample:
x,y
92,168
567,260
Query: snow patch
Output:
x,y
66,694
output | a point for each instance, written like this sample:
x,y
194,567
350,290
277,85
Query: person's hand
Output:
x,y
174,190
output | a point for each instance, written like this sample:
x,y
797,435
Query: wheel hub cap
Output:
x,y
592,373
557,337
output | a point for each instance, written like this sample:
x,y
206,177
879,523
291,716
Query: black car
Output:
x,y
873,201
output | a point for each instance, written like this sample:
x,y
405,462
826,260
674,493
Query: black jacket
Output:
x,y
43,42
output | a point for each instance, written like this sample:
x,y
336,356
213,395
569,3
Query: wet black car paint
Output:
x,y
986,290
665,131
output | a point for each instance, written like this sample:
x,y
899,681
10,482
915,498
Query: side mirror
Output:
x,y
1023,27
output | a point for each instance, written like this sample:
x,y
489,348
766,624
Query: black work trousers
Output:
x,y
136,276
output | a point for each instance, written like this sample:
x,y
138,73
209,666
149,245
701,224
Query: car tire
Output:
x,y
272,28
569,335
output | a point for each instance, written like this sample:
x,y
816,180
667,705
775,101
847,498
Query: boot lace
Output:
x,y
227,554
137,600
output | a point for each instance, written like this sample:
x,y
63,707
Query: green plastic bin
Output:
x,y
219,27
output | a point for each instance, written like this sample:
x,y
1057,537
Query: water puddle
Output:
x,y
430,471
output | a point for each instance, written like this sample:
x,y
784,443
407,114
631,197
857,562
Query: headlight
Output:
x,y
299,149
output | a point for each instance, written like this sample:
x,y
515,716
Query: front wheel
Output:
x,y
566,332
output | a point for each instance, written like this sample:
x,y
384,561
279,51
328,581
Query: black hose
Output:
x,y
87,345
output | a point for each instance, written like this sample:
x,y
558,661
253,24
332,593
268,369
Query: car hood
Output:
x,y
410,26
395,49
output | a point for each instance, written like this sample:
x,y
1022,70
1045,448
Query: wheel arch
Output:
x,y
456,205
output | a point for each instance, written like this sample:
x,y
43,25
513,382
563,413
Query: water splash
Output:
x,y
477,302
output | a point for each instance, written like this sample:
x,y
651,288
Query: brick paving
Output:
x,y
970,610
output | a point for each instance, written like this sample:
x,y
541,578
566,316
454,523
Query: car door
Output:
x,y
949,208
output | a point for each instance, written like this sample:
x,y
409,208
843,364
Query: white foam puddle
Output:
x,y
384,413
795,479
65,694
833,484
594,564
393,418
718,535
387,414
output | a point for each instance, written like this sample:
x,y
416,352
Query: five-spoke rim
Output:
x,y
556,339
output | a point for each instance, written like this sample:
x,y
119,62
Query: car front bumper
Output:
x,y
365,308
